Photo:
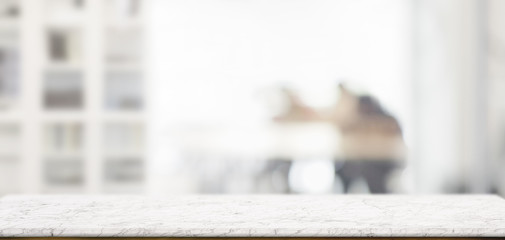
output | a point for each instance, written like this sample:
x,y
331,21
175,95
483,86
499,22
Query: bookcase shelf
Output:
x,y
63,50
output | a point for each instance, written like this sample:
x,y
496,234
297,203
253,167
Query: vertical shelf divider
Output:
x,y
93,92
30,97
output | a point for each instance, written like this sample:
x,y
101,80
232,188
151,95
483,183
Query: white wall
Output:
x,y
451,107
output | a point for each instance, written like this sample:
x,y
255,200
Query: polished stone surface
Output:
x,y
256,216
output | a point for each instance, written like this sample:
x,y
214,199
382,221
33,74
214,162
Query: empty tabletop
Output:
x,y
253,216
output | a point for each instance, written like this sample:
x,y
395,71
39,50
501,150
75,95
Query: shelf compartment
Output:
x,y
10,175
10,9
63,139
10,139
123,45
122,10
63,90
123,90
64,45
9,69
123,138
125,170
65,11
60,172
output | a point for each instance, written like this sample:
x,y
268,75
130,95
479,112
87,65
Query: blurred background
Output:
x,y
266,96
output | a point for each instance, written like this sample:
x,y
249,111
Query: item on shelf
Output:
x,y
124,170
9,68
63,90
9,175
123,90
68,172
123,46
64,46
9,76
9,9
121,137
61,11
9,139
63,137
122,9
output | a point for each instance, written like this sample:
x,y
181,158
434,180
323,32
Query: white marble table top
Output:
x,y
253,216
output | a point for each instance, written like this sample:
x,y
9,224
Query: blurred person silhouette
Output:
x,y
371,143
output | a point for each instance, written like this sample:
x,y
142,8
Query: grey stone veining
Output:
x,y
256,216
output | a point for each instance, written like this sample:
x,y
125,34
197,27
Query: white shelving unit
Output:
x,y
74,85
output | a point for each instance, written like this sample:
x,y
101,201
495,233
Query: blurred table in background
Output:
x,y
270,141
